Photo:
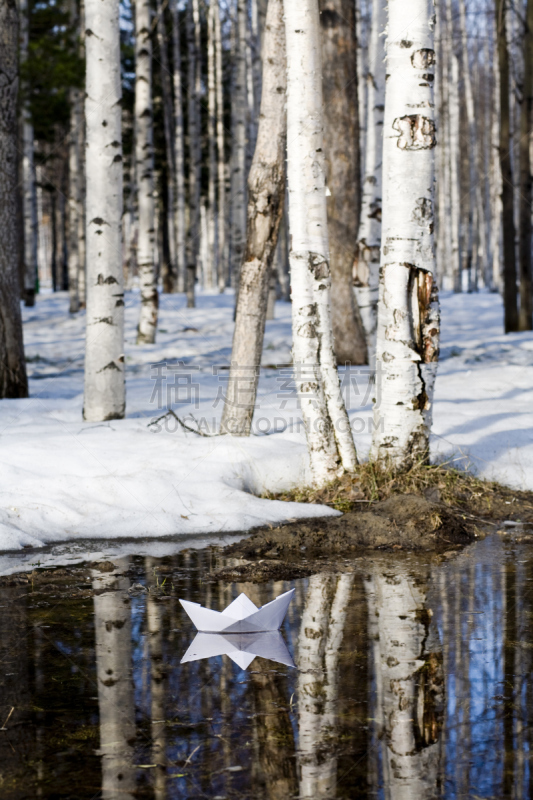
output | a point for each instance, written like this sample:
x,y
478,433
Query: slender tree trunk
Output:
x,y
180,224
343,171
454,154
408,314
526,143
13,381
73,203
82,185
266,189
28,175
144,156
496,185
327,427
238,156
369,237
169,273
509,252
212,158
158,683
193,88
104,351
222,260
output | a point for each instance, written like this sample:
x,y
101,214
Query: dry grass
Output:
x,y
373,482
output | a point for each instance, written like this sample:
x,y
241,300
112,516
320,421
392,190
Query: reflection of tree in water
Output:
x,y
321,633
154,619
409,682
112,624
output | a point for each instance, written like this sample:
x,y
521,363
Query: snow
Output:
x,y
64,481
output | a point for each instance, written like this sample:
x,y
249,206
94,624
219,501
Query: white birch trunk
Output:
x,y
104,350
180,223
453,148
238,155
158,684
212,266
222,261
408,314
82,146
326,422
73,202
496,185
363,57
29,198
112,623
193,89
144,157
369,240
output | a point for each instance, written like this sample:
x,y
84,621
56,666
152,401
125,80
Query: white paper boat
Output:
x,y
241,616
240,647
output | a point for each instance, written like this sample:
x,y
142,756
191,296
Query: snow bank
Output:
x,y
65,480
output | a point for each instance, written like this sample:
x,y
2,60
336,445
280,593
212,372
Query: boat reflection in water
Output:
x,y
242,648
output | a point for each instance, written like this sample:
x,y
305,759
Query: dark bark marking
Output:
x,y
416,132
100,281
422,59
111,366
98,221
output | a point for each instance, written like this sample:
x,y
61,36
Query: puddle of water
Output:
x,y
412,680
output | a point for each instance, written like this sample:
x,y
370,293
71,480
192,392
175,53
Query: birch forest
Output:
x,y
350,158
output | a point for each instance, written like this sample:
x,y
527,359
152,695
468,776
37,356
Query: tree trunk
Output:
x,y
144,156
327,427
180,225
266,189
222,260
13,381
408,313
193,88
526,140
509,253
369,237
211,265
169,272
82,241
453,148
341,133
104,350
28,176
73,202
238,155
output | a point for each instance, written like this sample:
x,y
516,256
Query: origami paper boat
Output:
x,y
240,647
241,616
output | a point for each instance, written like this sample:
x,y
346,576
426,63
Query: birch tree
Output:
x,y
180,223
211,143
193,90
526,164
75,198
29,200
369,237
221,162
509,252
238,155
13,380
104,397
343,172
144,168
408,313
329,437
266,189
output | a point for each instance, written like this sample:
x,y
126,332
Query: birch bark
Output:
x,y
180,224
74,188
222,261
193,89
369,237
326,422
408,314
238,156
343,172
211,265
453,149
13,380
104,349
82,146
266,189
509,252
144,157
526,195
28,175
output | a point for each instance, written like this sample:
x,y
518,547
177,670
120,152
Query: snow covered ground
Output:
x,y
65,480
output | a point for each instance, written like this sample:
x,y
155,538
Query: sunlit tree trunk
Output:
x,y
222,260
369,237
453,144
112,623
510,305
239,136
104,351
193,90
211,143
408,313
28,175
526,195
144,157
496,185
74,188
169,269
266,189
13,381
343,172
180,222
327,427
82,181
